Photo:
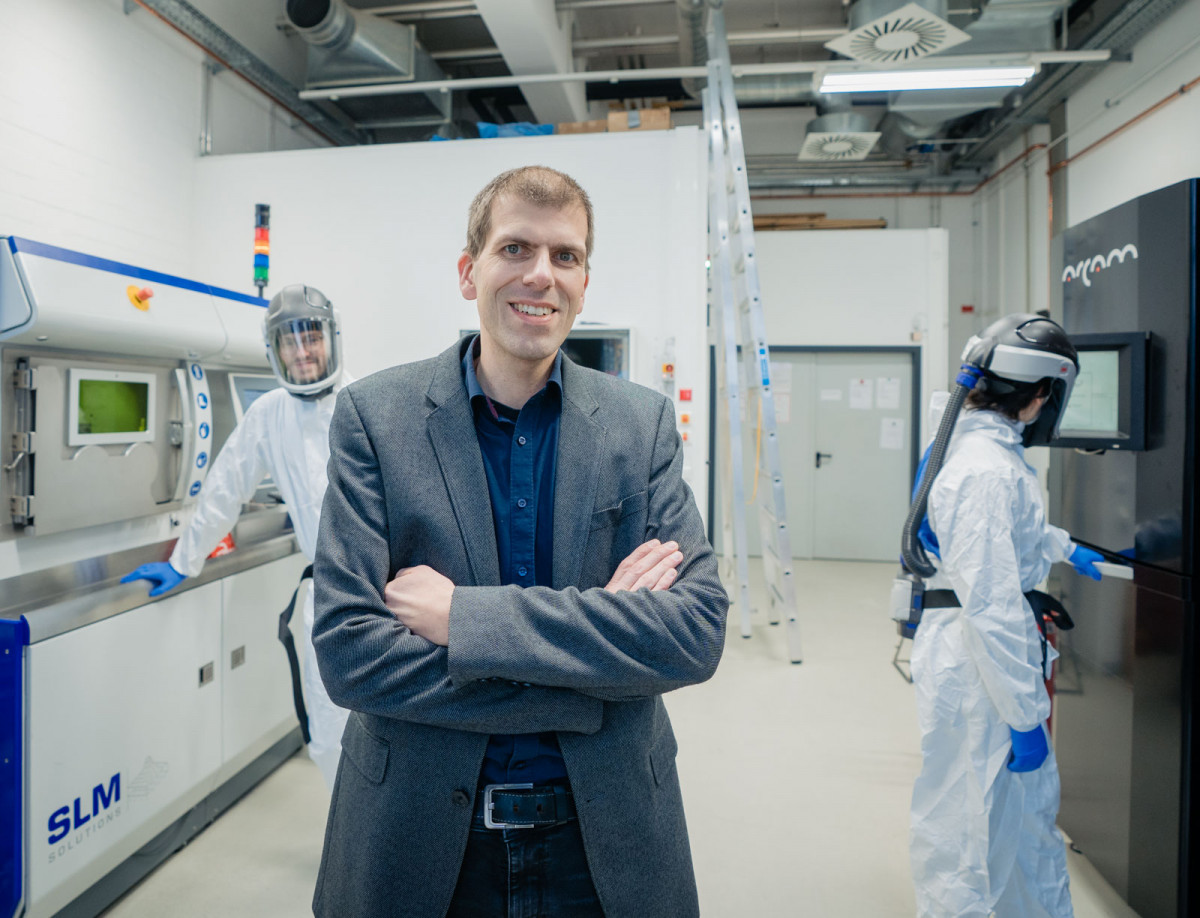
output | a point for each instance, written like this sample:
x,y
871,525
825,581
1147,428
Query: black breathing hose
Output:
x,y
911,550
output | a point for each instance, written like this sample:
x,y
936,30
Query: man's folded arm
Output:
x,y
369,662
609,645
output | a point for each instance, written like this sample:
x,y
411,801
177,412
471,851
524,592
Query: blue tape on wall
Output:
x,y
14,636
29,247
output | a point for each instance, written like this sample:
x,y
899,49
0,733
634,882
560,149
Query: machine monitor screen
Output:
x,y
1107,409
1096,396
598,347
248,388
110,406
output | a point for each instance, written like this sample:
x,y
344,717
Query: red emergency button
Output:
x,y
685,395
139,296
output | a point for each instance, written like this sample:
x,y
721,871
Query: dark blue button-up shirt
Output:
x,y
520,454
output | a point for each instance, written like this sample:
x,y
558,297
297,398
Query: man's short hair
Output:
x,y
540,186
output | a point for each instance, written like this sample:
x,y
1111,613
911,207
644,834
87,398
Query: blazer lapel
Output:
x,y
580,448
452,433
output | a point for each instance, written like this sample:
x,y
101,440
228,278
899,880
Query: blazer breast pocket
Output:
x,y
631,505
615,532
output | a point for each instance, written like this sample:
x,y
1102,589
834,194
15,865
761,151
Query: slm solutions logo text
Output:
x,y
1089,266
70,826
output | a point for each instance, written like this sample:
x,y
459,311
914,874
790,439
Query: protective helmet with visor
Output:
x,y
303,343
1019,353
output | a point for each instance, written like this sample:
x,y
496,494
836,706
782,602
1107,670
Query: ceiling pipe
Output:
x,y
592,47
692,16
740,72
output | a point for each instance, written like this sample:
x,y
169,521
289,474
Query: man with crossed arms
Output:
x,y
511,572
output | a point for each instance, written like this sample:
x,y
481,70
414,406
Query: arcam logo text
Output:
x,y
1089,266
70,826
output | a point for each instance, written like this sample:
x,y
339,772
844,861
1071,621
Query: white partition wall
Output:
x,y
860,288
379,230
850,316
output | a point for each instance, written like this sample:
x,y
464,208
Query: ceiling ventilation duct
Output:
x,y
352,48
882,33
838,137
901,137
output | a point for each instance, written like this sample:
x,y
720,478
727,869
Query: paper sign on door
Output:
x,y
887,390
781,376
891,433
862,394
783,407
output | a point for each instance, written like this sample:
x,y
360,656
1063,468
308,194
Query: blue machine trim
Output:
x,y
29,247
14,637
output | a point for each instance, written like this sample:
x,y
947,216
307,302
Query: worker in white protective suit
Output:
x,y
983,835
285,435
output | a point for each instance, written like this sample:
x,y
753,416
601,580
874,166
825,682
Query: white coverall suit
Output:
x,y
287,438
983,838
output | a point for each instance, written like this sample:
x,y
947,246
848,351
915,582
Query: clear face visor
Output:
x,y
304,352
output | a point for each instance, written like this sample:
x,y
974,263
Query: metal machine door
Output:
x,y
862,454
69,478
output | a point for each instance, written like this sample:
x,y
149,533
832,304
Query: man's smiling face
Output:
x,y
528,279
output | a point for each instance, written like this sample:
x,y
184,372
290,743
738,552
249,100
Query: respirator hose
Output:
x,y
911,550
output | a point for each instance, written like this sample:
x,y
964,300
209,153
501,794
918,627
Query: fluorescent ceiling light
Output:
x,y
895,80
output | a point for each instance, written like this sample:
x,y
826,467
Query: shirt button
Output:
x,y
520,441
460,798
521,502
522,571
519,765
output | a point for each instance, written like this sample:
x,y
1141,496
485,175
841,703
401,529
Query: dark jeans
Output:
x,y
525,873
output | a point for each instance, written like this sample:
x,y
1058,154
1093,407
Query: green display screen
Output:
x,y
111,406
1095,400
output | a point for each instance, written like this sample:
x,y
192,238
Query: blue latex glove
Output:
x,y
1029,749
161,575
1084,561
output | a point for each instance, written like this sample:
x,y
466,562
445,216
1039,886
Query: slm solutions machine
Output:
x,y
126,723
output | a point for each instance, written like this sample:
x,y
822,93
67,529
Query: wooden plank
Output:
x,y
814,221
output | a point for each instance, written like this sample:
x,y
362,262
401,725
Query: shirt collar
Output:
x,y
475,390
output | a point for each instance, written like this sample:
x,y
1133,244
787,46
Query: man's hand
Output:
x,y
419,597
651,565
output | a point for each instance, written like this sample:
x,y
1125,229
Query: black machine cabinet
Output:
x,y
1127,682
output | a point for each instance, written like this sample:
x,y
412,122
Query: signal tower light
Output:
x,y
262,245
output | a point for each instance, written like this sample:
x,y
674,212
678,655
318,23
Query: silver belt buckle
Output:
x,y
489,806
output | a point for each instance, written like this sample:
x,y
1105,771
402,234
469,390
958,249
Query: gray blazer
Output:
x,y
407,487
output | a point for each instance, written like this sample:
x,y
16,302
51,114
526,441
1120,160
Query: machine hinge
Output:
x,y
24,442
22,510
25,377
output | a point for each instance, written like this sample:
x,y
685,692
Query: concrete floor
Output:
x,y
796,781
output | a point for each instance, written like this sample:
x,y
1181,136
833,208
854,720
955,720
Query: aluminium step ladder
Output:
x,y
736,324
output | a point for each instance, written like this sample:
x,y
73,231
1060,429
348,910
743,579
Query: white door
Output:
x,y
862,459
852,506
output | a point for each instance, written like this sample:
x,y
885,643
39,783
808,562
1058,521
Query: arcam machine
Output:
x,y
126,723
1123,481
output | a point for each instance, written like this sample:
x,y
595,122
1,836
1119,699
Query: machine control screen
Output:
x,y
110,406
1107,409
248,388
1095,401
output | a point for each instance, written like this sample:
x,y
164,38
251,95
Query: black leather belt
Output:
x,y
523,806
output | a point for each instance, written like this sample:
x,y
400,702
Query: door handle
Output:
x,y
821,456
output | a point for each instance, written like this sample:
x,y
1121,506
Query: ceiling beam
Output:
x,y
535,39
